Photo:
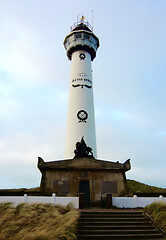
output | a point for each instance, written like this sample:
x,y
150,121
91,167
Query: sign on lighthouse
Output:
x,y
81,45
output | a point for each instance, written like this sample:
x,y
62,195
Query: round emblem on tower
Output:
x,y
82,56
82,115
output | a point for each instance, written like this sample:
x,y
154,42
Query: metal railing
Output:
x,y
81,22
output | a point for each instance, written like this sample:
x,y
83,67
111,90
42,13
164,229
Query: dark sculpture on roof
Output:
x,y
82,150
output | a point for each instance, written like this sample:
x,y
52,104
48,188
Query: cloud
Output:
x,y
24,55
19,152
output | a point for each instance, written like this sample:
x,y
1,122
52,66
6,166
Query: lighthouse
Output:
x,y
81,173
81,46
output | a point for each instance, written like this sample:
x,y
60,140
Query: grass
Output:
x,y
37,222
35,189
157,211
137,187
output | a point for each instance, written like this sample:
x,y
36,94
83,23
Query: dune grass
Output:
x,y
157,211
138,187
37,222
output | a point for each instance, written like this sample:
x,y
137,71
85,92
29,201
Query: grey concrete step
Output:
x,y
124,227
114,232
103,215
120,236
119,219
116,225
113,223
111,213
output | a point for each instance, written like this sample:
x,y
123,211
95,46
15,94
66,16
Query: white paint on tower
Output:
x,y
81,45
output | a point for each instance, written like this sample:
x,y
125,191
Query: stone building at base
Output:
x,y
86,175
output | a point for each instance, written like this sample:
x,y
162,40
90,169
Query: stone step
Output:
x,y
85,219
116,225
120,237
113,223
114,232
111,215
108,227
109,212
113,212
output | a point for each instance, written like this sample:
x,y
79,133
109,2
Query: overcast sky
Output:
x,y
129,75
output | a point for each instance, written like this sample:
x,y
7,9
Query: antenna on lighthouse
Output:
x,y
78,18
92,20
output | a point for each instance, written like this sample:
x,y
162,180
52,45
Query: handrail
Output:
x,y
79,22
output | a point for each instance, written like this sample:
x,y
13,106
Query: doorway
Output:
x,y
84,188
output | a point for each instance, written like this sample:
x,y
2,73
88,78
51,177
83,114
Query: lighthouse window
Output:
x,y
66,42
78,35
71,38
94,41
86,36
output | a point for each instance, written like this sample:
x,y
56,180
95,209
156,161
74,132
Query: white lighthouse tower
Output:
x,y
81,173
81,45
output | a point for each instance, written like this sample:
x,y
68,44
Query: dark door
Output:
x,y
84,188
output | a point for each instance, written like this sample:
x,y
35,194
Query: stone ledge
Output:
x,y
83,163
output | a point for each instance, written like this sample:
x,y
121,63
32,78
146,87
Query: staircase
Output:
x,y
107,225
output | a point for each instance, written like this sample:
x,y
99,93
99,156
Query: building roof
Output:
x,y
88,163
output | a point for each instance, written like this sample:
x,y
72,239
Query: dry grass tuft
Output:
x,y
157,211
37,222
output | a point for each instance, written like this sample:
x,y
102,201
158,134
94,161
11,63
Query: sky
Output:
x,y
129,81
